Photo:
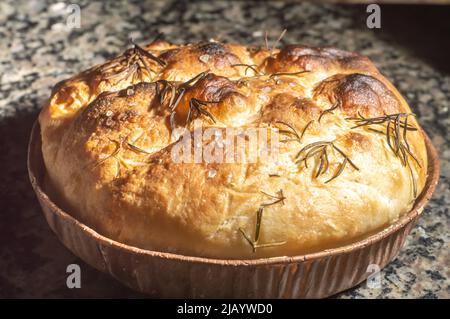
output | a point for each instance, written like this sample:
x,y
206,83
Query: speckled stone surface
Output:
x,y
37,50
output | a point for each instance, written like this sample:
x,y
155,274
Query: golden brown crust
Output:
x,y
107,147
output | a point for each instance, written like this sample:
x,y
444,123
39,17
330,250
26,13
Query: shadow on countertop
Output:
x,y
30,252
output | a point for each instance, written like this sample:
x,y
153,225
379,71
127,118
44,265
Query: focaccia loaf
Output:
x,y
351,156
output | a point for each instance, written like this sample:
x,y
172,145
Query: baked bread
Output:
x,y
351,158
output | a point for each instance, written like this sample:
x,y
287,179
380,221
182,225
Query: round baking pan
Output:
x,y
160,274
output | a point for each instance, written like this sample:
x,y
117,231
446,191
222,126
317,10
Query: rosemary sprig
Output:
x,y
135,60
113,154
293,131
255,245
278,198
163,88
252,67
177,95
266,40
413,180
120,145
320,149
395,131
136,148
198,106
124,74
362,121
181,89
275,76
141,52
195,79
330,110
288,73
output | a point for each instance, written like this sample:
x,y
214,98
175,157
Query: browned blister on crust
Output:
x,y
293,58
350,160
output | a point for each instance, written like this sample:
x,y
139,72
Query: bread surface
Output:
x,y
351,159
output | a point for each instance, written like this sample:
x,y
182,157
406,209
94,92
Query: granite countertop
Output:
x,y
37,49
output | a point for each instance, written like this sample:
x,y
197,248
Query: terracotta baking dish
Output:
x,y
161,274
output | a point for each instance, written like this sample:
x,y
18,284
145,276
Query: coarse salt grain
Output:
x,y
212,173
204,58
